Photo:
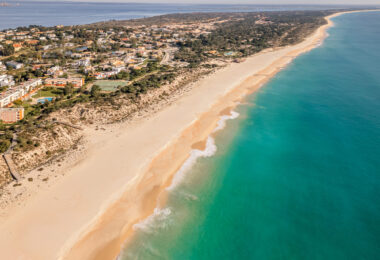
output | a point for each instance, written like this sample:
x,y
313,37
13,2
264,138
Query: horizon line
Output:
x,y
188,3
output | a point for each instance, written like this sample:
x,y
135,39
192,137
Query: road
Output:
x,y
169,55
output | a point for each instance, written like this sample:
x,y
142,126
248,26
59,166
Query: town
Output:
x,y
35,58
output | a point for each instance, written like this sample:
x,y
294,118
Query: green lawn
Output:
x,y
48,92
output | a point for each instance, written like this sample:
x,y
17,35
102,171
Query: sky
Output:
x,y
300,2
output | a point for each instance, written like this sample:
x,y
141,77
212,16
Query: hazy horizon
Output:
x,y
248,2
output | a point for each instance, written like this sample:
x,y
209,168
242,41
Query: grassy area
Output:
x,y
110,85
48,92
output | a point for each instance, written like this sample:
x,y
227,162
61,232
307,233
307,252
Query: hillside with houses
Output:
x,y
57,81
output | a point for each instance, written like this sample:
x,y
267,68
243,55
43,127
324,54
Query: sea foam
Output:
x,y
194,155
222,121
160,217
209,151
158,220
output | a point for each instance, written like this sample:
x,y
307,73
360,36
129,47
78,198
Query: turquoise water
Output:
x,y
43,100
297,176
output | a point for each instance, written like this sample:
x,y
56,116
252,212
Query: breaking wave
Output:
x,y
222,121
209,151
194,155
158,220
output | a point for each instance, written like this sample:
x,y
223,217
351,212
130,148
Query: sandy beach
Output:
x,y
90,212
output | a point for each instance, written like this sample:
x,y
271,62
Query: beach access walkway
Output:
x,y
9,161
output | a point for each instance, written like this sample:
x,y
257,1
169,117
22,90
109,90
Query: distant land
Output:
x,y
73,13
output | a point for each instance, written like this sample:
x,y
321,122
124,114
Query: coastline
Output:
x,y
142,189
202,128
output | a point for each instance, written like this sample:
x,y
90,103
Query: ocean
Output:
x,y
296,175
51,13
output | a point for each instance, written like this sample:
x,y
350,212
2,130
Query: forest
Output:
x,y
250,34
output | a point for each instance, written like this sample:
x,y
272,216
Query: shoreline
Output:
x,y
232,98
135,192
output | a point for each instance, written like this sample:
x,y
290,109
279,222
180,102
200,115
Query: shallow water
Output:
x,y
297,175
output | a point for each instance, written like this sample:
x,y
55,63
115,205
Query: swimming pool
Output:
x,y
43,100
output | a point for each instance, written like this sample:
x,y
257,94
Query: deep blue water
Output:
x,y
297,176
53,13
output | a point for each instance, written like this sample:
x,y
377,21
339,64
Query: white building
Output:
x,y
19,91
83,63
6,80
14,64
107,74
55,71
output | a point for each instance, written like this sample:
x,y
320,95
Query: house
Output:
x,y
18,92
101,75
8,97
14,64
6,80
100,40
31,84
69,37
68,53
17,46
83,63
11,115
76,55
32,42
61,82
39,66
116,63
51,36
55,71
212,52
19,37
46,47
81,49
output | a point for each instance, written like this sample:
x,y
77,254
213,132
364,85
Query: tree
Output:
x,y
115,46
3,88
8,50
68,89
17,102
95,91
4,145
